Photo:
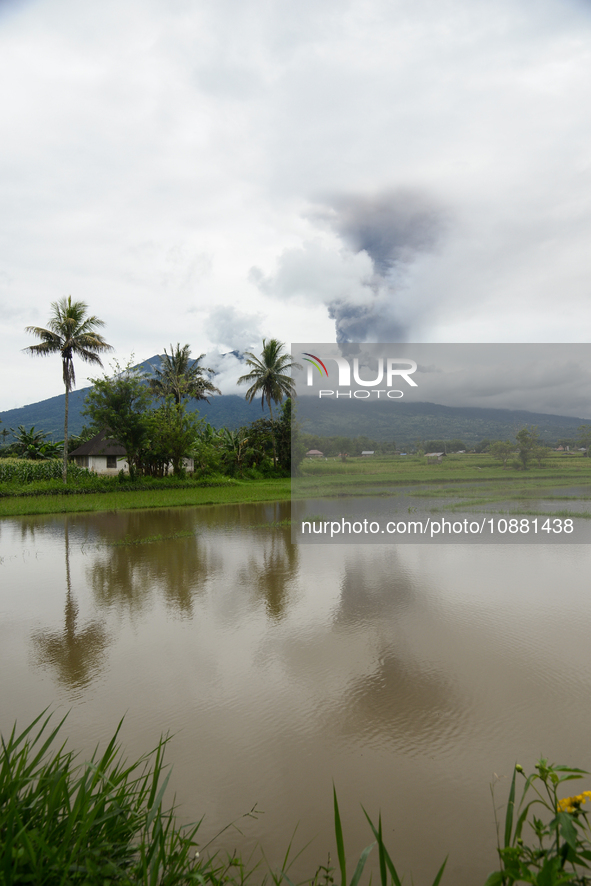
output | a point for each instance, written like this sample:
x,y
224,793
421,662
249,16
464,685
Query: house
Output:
x,y
101,455
108,457
434,456
314,453
368,452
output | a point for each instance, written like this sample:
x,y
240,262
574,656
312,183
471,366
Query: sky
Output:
x,y
321,171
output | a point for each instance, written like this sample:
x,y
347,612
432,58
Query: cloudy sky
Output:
x,y
217,172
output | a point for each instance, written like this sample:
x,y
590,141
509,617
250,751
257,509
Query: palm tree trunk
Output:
x,y
65,467
272,435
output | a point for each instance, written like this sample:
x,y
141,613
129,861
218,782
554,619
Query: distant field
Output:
x,y
461,479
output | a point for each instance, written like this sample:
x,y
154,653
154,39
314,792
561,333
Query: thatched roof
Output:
x,y
100,446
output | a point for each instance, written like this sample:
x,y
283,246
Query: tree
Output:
x,y
119,403
529,446
503,450
35,444
172,433
71,333
182,378
268,377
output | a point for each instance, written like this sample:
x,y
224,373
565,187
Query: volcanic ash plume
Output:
x,y
393,228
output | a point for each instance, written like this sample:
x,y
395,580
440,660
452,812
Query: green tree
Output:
x,y
269,377
172,433
530,446
181,377
35,444
483,445
71,333
269,374
120,404
503,450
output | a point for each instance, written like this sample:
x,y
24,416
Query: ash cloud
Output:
x,y
393,228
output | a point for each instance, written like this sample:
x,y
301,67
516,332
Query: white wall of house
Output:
x,y
98,464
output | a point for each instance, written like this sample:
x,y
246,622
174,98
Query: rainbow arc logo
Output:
x,y
317,362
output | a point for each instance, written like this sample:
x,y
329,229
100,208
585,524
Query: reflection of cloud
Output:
x,y
370,594
398,699
403,703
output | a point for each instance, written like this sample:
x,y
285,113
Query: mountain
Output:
x,y
405,423
230,411
377,419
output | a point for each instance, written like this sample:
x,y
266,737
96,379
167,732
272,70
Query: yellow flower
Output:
x,y
573,804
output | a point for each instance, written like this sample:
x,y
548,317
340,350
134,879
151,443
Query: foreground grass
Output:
x,y
103,822
232,492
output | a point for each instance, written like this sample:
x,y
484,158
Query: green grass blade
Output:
x,y
386,855
339,838
361,865
509,813
437,879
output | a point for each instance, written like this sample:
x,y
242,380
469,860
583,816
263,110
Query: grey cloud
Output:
x,y
392,227
368,322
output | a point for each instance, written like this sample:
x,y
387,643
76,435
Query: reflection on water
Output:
x,y
75,653
407,674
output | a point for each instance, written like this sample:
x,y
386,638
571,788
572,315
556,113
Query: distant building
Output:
x,y
369,452
434,456
314,453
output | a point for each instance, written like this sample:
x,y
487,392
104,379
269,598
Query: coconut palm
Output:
x,y
181,377
269,378
71,332
269,374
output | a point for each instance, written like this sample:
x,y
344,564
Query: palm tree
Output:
x,y
268,374
181,377
269,378
71,332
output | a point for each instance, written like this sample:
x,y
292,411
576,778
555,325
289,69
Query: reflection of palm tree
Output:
x,y
71,332
181,377
74,653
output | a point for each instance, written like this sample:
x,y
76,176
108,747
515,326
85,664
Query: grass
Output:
x,y
458,481
103,822
160,496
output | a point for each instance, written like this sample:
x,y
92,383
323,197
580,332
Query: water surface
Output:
x,y
407,674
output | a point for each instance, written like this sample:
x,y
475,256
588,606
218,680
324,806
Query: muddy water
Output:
x,y
409,675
